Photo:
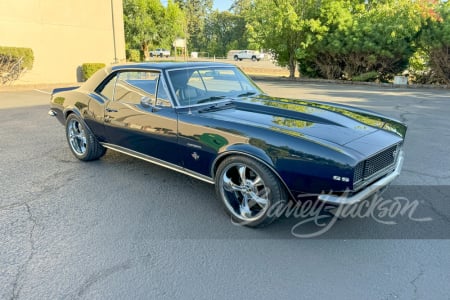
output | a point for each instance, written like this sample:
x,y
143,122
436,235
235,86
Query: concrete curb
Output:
x,y
324,81
38,86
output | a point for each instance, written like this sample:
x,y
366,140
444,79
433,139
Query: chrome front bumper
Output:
x,y
368,191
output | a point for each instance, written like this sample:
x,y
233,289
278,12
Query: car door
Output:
x,y
200,138
140,116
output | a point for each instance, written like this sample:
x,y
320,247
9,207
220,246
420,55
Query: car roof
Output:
x,y
99,76
168,65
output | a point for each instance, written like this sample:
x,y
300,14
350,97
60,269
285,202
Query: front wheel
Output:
x,y
236,58
249,189
82,142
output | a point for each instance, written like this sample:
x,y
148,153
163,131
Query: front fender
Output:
x,y
241,149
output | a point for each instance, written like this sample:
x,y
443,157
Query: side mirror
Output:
x,y
146,101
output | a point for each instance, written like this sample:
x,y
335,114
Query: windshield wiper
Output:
x,y
246,94
212,98
216,107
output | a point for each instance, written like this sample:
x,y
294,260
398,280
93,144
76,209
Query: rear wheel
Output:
x,y
82,142
248,189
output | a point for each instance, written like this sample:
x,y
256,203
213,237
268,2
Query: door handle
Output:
x,y
111,110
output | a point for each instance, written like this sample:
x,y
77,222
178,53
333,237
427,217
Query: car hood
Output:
x,y
338,124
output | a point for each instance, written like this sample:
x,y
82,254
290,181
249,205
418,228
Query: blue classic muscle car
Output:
x,y
211,122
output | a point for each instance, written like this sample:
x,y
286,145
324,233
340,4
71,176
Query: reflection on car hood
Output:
x,y
334,123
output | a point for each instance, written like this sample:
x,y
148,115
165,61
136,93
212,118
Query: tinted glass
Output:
x,y
198,85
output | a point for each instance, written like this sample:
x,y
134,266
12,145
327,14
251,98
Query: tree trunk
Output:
x,y
292,65
145,52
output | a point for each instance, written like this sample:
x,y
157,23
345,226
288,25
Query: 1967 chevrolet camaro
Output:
x,y
211,122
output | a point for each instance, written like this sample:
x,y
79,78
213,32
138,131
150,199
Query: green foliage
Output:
x,y
148,24
16,53
434,41
284,27
196,12
334,39
88,69
369,76
224,31
360,40
133,55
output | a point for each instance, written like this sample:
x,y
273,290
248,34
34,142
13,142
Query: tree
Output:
x,y
283,27
435,42
148,23
141,23
323,55
196,12
173,24
362,42
224,31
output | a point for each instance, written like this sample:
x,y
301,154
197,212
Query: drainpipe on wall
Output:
x,y
116,60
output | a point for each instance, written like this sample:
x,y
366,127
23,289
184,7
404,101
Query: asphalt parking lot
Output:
x,y
123,228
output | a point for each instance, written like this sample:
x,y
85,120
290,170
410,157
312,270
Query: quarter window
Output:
x,y
134,86
107,89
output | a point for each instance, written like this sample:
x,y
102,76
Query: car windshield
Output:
x,y
199,85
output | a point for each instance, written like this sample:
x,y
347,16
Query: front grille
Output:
x,y
376,165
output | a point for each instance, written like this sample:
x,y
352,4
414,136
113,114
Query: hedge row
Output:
x,y
133,55
89,69
16,53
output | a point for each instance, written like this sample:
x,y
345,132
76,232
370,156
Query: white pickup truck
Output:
x,y
160,52
249,54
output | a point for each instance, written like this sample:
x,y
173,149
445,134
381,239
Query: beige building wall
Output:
x,y
63,35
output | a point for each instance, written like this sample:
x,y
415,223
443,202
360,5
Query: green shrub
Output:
x,y
369,76
89,69
17,53
133,55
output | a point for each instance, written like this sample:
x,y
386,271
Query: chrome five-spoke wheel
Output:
x,y
76,136
82,142
248,189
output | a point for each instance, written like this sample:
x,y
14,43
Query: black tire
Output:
x,y
253,58
151,54
248,189
161,55
236,58
82,142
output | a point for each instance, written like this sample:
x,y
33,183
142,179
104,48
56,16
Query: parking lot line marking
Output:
x,y
44,92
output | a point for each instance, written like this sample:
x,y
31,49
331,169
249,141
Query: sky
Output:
x,y
222,4
218,4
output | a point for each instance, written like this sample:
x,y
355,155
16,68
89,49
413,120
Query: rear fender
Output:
x,y
64,89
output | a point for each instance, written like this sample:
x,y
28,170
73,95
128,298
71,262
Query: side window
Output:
x,y
132,86
107,89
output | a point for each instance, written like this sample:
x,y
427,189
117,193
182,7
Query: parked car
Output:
x,y
160,52
249,54
211,122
